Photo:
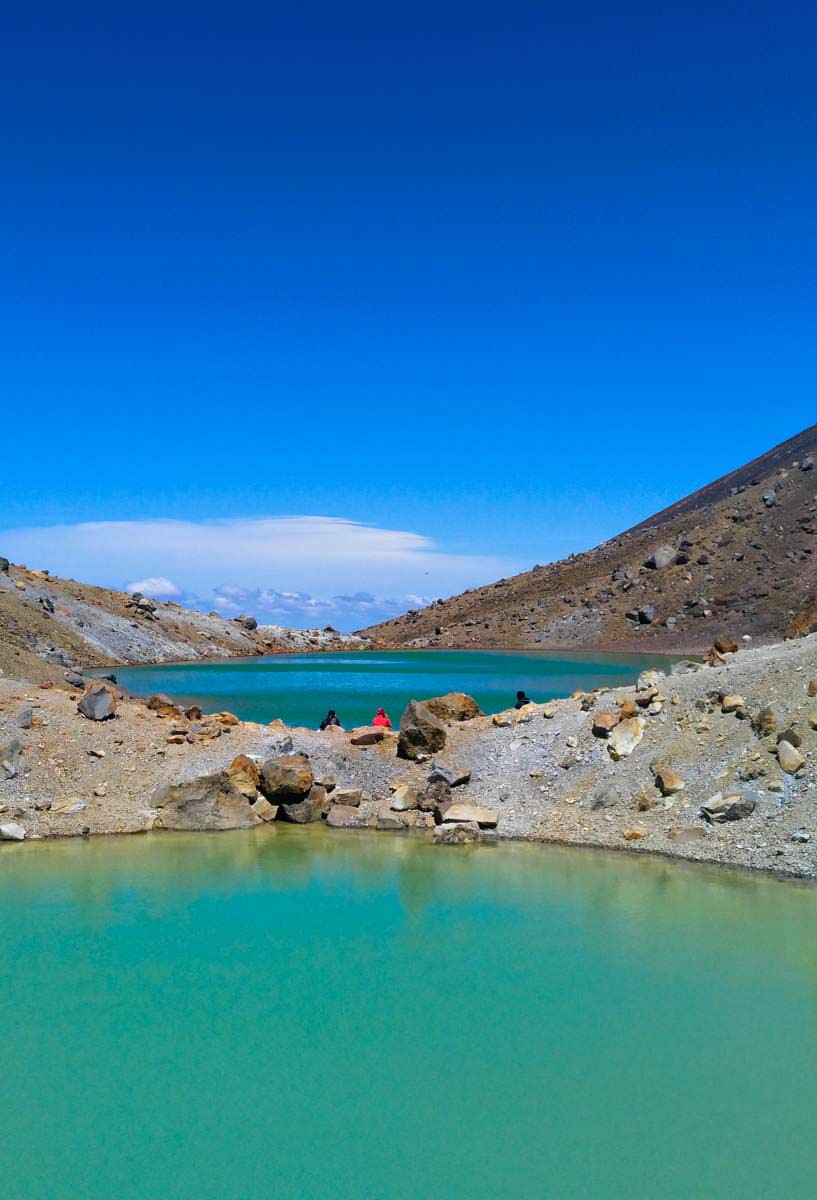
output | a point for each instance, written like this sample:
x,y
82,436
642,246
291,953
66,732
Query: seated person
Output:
x,y
522,700
331,718
381,720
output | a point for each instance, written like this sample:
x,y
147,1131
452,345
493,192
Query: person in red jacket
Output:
x,y
381,719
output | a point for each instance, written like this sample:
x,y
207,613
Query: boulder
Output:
x,y
246,622
245,776
725,645
433,796
460,834
604,723
732,702
448,772
792,736
10,831
262,809
287,776
453,706
789,757
343,816
404,798
390,820
74,679
485,818
421,733
98,702
625,737
209,802
304,811
660,558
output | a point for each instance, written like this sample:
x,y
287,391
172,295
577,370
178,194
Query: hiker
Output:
x,y
381,719
331,718
522,700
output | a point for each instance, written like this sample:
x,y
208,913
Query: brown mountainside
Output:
x,y
737,557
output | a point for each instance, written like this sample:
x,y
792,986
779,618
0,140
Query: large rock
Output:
x,y
98,702
734,806
448,772
344,816
209,802
404,798
4,565
244,775
604,723
668,781
10,831
485,818
625,737
421,733
10,759
660,558
350,797
453,706
286,777
306,810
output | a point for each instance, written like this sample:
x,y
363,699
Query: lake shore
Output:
x,y
547,772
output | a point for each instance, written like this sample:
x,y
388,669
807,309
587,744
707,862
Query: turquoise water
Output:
x,y
290,1013
299,688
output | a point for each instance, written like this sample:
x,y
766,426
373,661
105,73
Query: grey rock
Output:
x,y
608,797
448,772
74,679
4,565
24,718
10,831
98,703
287,777
801,835
10,759
456,834
660,558
770,498
421,733
806,465
305,811
646,614
209,802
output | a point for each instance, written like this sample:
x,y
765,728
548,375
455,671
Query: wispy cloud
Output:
x,y
299,570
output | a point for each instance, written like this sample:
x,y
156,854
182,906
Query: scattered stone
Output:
x,y
421,733
25,717
734,806
789,757
389,820
10,759
74,679
634,834
367,735
792,736
448,772
725,645
764,723
801,835
686,833
812,687
67,808
262,809
244,775
732,702
625,737
608,797
98,703
660,558
669,782
604,723
646,614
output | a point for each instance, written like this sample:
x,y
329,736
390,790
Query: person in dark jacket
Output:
x,y
331,718
522,700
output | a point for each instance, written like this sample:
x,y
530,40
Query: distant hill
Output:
x,y
737,557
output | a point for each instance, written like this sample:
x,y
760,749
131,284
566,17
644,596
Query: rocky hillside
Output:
x,y
50,625
736,557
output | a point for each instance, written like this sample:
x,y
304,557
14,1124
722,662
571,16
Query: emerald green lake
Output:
x,y
299,688
291,1013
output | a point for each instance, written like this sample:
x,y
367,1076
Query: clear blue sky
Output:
x,y
509,276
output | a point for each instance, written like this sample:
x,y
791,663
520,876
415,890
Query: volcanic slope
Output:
x,y
737,557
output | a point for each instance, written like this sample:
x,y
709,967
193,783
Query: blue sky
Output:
x,y
478,285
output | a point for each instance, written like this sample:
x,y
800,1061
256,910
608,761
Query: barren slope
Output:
x,y
742,556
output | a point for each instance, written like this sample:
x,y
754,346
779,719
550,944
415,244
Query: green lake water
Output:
x,y
290,1013
299,688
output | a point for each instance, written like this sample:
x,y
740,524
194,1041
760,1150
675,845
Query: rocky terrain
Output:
x,y
49,626
715,762
738,554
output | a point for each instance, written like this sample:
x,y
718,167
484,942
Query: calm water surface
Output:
x,y
299,688
288,1013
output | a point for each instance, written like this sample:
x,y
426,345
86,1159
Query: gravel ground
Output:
x,y
543,770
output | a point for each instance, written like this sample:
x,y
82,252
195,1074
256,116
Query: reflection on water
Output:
x,y
295,1012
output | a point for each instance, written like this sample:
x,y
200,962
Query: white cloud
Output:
x,y
302,569
156,586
